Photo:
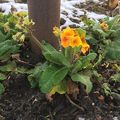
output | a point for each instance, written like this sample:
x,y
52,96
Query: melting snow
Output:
x,y
67,7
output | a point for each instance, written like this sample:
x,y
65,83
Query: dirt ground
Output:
x,y
20,102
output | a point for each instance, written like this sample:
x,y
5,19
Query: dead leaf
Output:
x,y
49,97
15,56
72,88
101,98
13,9
112,4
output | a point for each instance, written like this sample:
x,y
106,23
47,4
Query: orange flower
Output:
x,y
67,35
85,46
104,26
70,37
75,42
68,32
65,40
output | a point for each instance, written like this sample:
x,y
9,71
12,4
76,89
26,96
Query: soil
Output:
x,y
20,102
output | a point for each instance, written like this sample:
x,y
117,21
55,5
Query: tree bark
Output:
x,y
46,15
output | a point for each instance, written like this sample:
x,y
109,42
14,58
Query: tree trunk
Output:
x,y
46,15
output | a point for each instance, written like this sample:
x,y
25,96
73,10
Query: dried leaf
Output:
x,y
112,4
72,88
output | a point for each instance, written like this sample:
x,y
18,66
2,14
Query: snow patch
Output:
x,y
68,7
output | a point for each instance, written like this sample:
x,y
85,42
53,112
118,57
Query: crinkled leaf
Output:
x,y
46,47
2,88
7,48
113,22
99,34
113,51
52,55
84,62
91,56
10,66
2,77
81,31
60,88
106,88
2,37
57,58
51,77
35,74
116,77
77,67
85,80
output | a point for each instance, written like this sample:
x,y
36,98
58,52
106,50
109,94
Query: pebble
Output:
x,y
93,104
115,118
2,118
80,118
62,21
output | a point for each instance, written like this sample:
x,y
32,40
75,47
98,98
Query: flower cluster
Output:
x,y
71,37
56,31
104,26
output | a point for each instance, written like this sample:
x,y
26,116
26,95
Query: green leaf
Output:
x,y
81,31
106,88
52,55
2,37
46,47
113,22
2,89
51,77
77,67
116,77
7,48
91,56
35,74
2,77
113,51
12,20
69,53
85,80
100,58
99,34
86,60
10,66
60,88
57,58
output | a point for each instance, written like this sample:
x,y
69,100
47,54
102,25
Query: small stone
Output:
x,y
80,118
115,118
2,118
93,104
101,98
74,26
62,21
64,13
75,20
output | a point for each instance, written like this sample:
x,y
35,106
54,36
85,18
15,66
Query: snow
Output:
x,y
66,6
69,7
6,7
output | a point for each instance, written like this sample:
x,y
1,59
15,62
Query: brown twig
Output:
x,y
73,103
17,58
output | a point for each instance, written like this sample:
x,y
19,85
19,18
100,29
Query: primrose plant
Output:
x,y
14,28
66,67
